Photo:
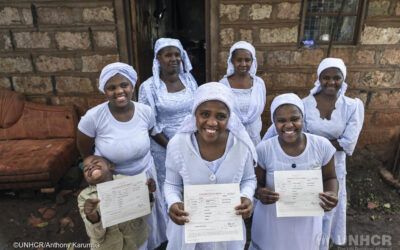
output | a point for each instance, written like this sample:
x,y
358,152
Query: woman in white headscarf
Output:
x,y
248,89
331,114
211,147
119,131
290,150
169,93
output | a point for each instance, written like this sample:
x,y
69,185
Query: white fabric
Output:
x,y
186,167
243,99
344,126
127,145
330,63
242,45
215,91
169,110
252,118
117,68
213,165
271,232
185,65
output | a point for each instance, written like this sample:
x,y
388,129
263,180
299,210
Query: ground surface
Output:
x,y
23,215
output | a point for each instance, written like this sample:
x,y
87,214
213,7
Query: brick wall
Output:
x,y
373,65
53,51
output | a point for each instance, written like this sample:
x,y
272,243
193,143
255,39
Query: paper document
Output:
x,y
212,214
298,193
123,199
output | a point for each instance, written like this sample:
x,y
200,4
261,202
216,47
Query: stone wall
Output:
x,y
373,64
53,51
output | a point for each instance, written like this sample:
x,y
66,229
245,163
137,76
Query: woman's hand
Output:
x,y
178,214
245,208
151,184
329,200
266,195
90,209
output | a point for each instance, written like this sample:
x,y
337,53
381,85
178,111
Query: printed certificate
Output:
x,y
212,214
123,199
298,193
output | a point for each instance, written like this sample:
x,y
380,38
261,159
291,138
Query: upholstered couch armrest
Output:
x,y
39,121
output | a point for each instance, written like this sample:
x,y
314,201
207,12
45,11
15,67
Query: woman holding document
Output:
x,y
291,150
119,131
211,147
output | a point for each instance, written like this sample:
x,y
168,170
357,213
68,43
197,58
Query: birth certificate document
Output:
x,y
123,199
212,215
298,193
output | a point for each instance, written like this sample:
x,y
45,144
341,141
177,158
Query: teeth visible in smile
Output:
x,y
119,98
288,132
211,131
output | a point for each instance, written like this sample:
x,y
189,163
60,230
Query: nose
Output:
x,y
118,90
212,121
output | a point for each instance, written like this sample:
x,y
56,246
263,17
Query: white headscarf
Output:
x,y
117,68
185,66
242,45
215,91
288,98
280,100
330,62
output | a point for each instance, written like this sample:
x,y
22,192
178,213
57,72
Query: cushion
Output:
x,y
36,160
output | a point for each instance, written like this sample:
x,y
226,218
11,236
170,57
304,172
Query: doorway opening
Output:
x,y
180,19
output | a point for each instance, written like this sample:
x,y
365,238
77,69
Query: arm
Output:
x,y
329,196
173,187
161,139
247,186
348,139
265,195
336,144
85,144
94,227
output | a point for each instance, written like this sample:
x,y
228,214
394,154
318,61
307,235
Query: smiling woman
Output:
x,y
119,131
211,147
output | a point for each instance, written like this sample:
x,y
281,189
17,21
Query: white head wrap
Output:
x,y
185,65
117,68
289,98
215,91
280,100
330,63
242,45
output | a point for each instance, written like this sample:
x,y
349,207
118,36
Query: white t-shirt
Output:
x,y
126,144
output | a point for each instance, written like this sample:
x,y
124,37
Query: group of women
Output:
x,y
182,134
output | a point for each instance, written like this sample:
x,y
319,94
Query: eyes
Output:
x,y
219,116
245,60
86,167
292,119
335,78
171,54
122,85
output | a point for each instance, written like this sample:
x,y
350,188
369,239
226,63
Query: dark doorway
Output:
x,y
180,19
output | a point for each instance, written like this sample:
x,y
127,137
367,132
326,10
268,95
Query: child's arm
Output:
x,y
94,227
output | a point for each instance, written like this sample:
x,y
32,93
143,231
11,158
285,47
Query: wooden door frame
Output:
x,y
212,41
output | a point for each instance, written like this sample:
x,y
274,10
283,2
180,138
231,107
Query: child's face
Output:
x,y
96,169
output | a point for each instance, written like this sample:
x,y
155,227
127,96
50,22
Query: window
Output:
x,y
319,20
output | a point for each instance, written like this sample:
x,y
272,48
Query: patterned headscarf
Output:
x,y
117,68
185,65
242,45
215,91
330,62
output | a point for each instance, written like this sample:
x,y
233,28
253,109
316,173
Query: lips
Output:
x,y
121,98
94,171
211,131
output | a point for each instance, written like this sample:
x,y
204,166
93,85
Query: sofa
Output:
x,y
37,142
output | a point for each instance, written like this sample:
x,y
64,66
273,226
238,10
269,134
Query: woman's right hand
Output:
x,y
178,214
266,195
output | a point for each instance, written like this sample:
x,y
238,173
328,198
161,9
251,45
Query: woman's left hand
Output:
x,y
329,200
151,184
245,208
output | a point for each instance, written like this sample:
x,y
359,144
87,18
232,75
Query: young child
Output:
x,y
127,235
